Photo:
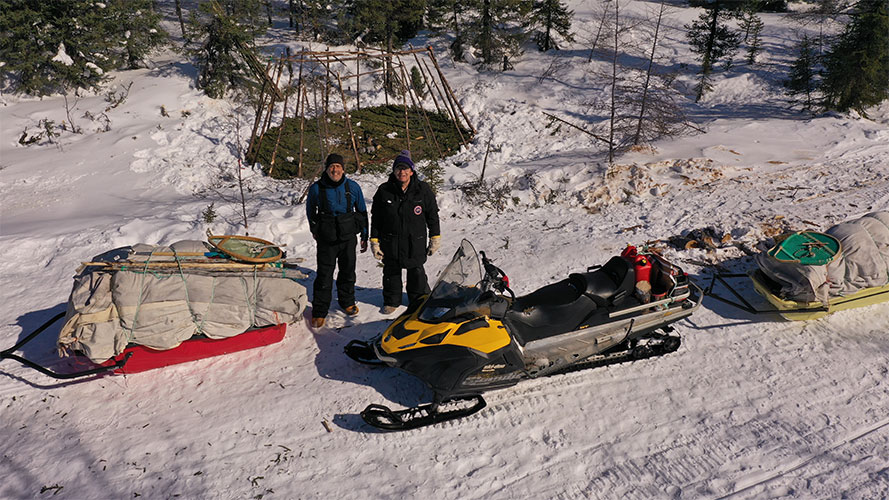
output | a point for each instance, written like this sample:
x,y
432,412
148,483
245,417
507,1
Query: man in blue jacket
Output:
x,y
336,212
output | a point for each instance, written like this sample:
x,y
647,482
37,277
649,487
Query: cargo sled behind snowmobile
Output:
x,y
807,275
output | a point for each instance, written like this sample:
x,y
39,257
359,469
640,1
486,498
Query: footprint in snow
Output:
x,y
160,137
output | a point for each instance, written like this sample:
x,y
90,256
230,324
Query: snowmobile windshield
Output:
x,y
457,288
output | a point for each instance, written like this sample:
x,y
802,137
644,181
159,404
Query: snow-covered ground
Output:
x,y
748,407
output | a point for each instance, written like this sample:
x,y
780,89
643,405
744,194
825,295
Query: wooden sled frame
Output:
x,y
741,303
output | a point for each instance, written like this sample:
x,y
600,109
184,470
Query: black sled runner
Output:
x,y
472,334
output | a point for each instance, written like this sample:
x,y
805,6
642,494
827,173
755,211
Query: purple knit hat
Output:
x,y
404,158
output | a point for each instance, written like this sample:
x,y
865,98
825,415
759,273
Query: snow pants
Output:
x,y
417,286
330,255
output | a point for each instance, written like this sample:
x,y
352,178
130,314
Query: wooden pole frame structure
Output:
x,y
314,64
284,117
447,87
349,123
411,91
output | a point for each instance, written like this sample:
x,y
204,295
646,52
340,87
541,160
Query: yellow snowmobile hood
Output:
x,y
408,332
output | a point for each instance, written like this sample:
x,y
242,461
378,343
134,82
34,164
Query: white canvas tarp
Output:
x,y
862,263
162,307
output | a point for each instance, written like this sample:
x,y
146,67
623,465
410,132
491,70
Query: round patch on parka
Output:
x,y
418,210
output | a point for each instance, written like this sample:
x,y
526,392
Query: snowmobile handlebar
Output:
x,y
495,277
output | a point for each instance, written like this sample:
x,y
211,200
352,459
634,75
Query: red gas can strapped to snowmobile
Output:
x,y
640,263
642,267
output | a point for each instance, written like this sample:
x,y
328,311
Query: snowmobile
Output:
x,y
472,334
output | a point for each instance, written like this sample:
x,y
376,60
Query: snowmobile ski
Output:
x,y
362,352
384,418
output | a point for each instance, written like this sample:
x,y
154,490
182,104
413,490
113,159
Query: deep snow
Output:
x,y
749,407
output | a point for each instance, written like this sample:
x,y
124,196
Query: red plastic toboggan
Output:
x,y
144,358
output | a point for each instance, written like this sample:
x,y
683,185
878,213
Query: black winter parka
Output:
x,y
399,220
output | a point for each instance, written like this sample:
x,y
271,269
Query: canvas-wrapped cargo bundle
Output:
x,y
159,297
807,270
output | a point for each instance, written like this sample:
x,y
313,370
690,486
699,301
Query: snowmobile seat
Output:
x,y
610,284
562,307
557,294
548,311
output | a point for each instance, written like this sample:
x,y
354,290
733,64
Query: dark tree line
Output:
x,y
54,45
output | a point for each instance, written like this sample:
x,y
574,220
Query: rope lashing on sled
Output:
x,y
209,304
251,298
131,332
199,326
250,291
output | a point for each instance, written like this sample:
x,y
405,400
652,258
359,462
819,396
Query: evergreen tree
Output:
x,y
713,40
752,26
224,34
825,15
139,25
248,12
497,30
53,45
801,80
312,17
447,16
549,17
493,29
387,22
181,19
418,82
857,66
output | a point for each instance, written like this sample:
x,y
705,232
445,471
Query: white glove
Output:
x,y
375,249
434,245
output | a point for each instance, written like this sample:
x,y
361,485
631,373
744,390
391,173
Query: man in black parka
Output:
x,y
404,211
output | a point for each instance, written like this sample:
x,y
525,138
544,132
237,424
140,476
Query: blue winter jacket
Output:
x,y
333,203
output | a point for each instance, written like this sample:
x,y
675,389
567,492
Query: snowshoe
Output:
x,y
472,334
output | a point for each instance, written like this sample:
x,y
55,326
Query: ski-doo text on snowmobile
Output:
x,y
472,334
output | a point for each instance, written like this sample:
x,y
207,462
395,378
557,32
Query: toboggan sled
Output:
x,y
807,275
143,307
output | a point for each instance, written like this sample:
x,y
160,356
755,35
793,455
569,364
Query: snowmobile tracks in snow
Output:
x,y
761,478
806,453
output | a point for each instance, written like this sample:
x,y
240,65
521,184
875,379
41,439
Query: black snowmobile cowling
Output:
x,y
472,334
